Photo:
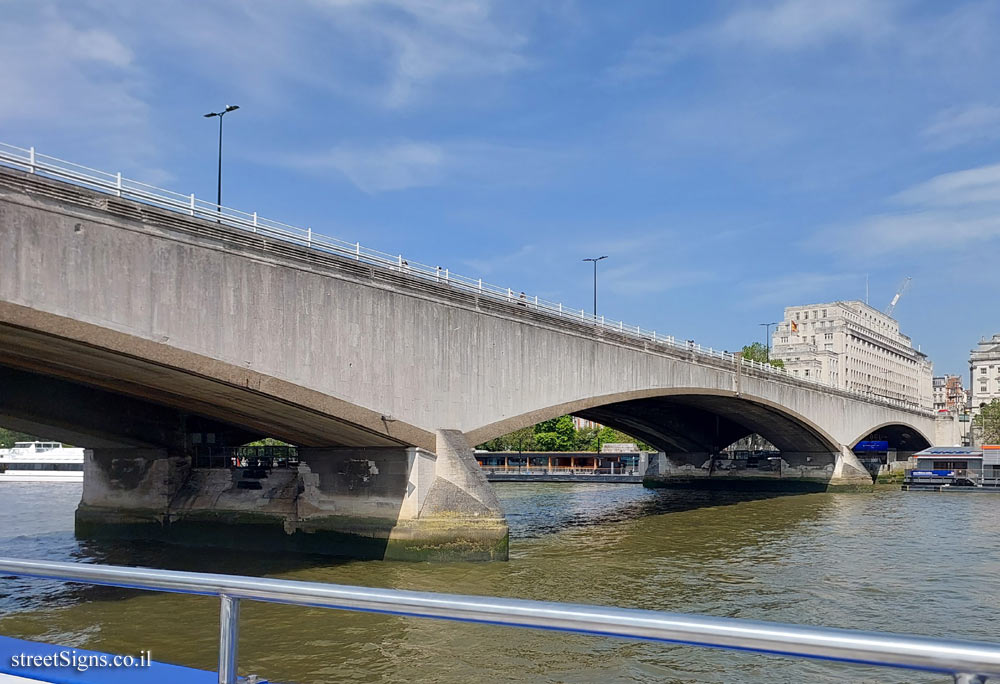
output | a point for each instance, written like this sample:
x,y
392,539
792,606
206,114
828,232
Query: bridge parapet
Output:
x,y
392,269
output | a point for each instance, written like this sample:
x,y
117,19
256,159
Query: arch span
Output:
x,y
689,420
900,437
54,348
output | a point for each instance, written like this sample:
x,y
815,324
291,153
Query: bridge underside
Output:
x,y
692,429
244,401
353,492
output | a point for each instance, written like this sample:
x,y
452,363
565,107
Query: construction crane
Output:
x,y
900,291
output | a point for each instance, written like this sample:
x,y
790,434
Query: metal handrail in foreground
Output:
x,y
119,186
967,661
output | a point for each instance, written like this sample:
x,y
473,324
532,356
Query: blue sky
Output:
x,y
731,158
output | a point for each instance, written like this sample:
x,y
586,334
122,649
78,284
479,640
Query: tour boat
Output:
x,y
41,462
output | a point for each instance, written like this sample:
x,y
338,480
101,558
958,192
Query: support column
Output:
x,y
461,516
127,492
849,473
788,471
400,503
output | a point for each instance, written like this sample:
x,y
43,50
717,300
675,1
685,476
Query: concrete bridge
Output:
x,y
147,333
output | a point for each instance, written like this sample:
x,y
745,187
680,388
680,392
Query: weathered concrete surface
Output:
x,y
804,471
355,502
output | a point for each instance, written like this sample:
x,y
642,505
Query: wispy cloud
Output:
x,y
958,188
386,166
801,24
383,166
425,41
957,126
65,78
804,286
514,260
947,212
785,26
383,53
646,276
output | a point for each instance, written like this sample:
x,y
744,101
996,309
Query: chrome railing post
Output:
x,y
965,678
229,636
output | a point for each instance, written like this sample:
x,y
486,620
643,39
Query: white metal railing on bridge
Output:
x,y
118,185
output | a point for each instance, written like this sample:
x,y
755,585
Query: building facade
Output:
x,y
984,368
855,347
949,394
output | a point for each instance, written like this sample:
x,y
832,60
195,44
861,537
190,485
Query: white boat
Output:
x,y
41,462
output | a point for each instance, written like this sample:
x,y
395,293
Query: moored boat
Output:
x,y
41,462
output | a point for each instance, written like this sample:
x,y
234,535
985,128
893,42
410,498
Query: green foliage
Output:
x,y
559,434
987,423
758,352
611,436
268,441
519,440
8,437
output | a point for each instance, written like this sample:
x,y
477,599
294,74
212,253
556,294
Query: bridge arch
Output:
x,y
684,419
901,437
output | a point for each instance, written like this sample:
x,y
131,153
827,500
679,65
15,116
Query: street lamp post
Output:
x,y
767,339
229,108
595,260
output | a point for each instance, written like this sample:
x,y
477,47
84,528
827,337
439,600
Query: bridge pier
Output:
x,y
399,503
789,471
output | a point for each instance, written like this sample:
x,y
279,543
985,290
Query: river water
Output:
x,y
919,563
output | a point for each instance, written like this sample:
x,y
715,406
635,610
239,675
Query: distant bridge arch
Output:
x,y
685,419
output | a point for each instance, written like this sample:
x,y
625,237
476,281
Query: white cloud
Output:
x,y
948,212
957,126
800,24
387,166
428,41
64,75
789,25
501,262
645,276
958,188
386,53
400,164
805,286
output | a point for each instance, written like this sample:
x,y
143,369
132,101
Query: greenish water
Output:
x,y
905,562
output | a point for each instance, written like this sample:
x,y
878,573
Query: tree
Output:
x,y
519,440
558,434
8,437
758,352
609,435
267,441
987,423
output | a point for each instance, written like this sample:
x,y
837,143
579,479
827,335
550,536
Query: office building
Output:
x,y
853,346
